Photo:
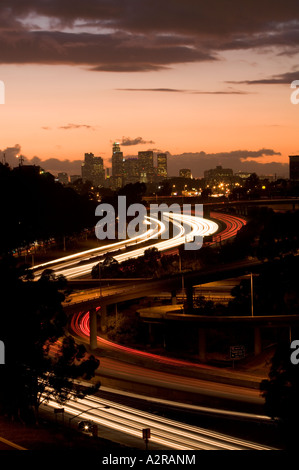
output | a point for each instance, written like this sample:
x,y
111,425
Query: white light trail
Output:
x,y
199,227
169,433
71,260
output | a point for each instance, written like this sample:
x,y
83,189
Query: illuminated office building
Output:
x,y
131,171
185,173
146,166
63,178
162,165
294,167
93,170
117,166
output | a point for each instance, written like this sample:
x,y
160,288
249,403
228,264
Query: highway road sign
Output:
x,y
237,352
146,434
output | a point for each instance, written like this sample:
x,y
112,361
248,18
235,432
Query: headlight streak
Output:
x,y
172,434
199,227
117,417
116,426
86,269
159,228
185,406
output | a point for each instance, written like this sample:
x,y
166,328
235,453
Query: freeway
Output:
x,y
81,264
128,368
126,372
5,444
232,225
165,433
186,227
66,263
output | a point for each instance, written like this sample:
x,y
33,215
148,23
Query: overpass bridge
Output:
x,y
131,290
167,314
239,207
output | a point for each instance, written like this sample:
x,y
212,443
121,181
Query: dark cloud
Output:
x,y
127,141
70,126
143,36
128,67
170,16
54,165
162,90
241,154
281,79
117,52
284,36
198,162
76,126
192,92
12,156
222,92
237,160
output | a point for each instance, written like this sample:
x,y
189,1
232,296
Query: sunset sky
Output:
x,y
208,82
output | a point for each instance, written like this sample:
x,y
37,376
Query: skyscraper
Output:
x,y
131,171
93,170
219,175
98,171
86,168
146,166
116,147
162,165
117,166
63,178
185,173
74,178
294,167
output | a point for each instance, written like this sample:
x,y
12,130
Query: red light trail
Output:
x,y
80,326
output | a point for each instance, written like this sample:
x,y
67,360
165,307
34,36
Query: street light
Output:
x,y
251,283
95,427
100,277
251,292
183,284
86,411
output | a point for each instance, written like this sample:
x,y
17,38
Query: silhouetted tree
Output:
x,y
253,182
34,207
281,391
37,352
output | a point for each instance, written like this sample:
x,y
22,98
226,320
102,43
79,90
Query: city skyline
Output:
x,y
148,167
149,179
197,162
207,86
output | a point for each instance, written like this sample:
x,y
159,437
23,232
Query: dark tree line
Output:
x,y
275,290
36,207
41,361
281,391
151,264
267,236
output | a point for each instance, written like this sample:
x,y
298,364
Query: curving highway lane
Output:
x,y
81,264
165,433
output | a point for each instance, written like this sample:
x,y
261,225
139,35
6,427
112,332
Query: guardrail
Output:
x,y
97,297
